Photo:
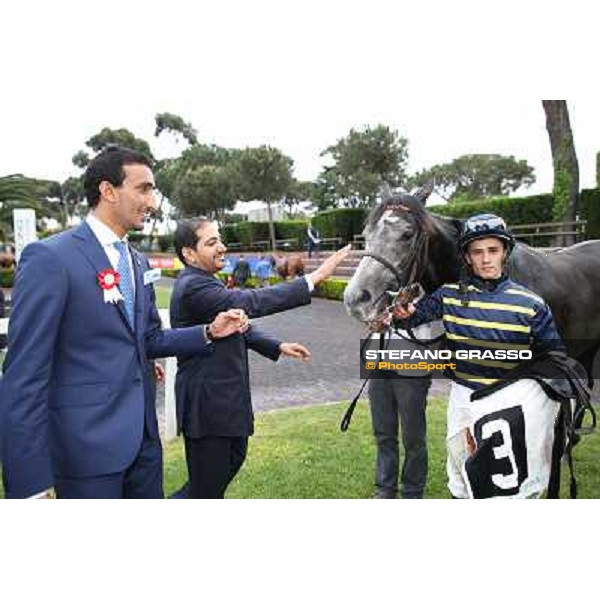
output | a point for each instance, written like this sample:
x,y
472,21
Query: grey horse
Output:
x,y
406,243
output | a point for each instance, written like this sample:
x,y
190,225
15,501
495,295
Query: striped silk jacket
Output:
x,y
484,316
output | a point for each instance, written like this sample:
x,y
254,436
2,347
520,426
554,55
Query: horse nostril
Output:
x,y
365,296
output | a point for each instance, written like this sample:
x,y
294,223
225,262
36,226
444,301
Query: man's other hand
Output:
x,y
294,350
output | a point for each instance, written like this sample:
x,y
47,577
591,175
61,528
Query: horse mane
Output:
x,y
442,233
425,221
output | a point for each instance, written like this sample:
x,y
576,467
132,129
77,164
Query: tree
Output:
x,y
212,169
207,190
71,198
475,176
325,196
363,161
107,137
564,160
299,191
175,125
265,173
165,170
17,191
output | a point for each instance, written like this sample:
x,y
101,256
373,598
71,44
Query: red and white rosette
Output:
x,y
109,280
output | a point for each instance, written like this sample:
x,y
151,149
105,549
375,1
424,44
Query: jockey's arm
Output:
x,y
544,334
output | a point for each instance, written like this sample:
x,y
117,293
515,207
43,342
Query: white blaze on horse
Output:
x,y
405,243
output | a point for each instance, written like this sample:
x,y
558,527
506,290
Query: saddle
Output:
x,y
565,381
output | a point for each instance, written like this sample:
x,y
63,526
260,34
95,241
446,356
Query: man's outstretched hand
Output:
x,y
329,265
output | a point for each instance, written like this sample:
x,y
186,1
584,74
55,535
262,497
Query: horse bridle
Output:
x,y
416,260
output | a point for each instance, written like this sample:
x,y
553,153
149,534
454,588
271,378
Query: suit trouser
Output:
x,y
212,463
400,401
142,479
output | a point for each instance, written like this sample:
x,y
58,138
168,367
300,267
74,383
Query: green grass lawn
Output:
x,y
301,453
163,296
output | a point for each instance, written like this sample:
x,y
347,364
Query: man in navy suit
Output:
x,y
214,409
79,415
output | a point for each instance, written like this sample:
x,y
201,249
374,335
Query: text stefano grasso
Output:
x,y
108,280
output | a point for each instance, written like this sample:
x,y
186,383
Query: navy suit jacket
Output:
x,y
213,395
76,393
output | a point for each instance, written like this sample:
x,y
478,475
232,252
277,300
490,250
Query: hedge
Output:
x,y
229,234
252,231
247,232
341,222
7,277
515,211
589,209
252,282
292,229
528,209
332,289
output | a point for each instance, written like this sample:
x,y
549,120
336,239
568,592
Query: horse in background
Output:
x,y
289,266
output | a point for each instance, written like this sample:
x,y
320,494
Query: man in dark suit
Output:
x,y
79,415
214,410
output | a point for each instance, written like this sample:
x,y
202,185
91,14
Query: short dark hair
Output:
x,y
185,234
108,166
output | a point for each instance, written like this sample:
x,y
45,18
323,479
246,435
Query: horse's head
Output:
x,y
396,236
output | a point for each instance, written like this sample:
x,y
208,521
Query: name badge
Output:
x,y
152,276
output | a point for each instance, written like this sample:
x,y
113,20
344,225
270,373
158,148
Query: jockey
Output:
x,y
486,315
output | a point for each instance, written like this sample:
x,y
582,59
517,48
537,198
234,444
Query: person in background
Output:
x,y
314,238
241,272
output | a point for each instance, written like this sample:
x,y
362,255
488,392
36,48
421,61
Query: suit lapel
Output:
x,y
94,252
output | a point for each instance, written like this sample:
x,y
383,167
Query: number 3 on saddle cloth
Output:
x,y
513,430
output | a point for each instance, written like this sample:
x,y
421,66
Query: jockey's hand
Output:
x,y
404,311
381,324
329,265
294,350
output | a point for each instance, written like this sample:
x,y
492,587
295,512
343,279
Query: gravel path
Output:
x,y
331,375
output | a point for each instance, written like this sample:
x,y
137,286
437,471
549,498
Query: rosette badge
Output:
x,y
109,279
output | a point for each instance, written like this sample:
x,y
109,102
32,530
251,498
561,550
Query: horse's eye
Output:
x,y
405,235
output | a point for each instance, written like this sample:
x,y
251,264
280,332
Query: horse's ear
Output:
x,y
423,193
385,191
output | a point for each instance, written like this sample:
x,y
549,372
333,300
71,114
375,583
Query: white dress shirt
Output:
x,y
107,238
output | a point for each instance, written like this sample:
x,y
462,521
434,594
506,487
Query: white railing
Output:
x,y
170,370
